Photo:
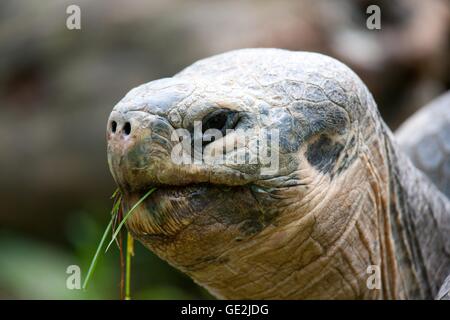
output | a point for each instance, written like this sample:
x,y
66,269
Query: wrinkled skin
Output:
x,y
339,203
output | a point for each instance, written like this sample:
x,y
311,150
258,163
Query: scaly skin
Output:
x,y
344,197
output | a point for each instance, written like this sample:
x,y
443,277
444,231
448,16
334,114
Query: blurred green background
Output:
x,y
57,87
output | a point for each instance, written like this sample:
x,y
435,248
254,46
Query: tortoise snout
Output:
x,y
126,129
139,145
119,125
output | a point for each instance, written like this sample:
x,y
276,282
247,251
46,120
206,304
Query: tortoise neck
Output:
x,y
420,220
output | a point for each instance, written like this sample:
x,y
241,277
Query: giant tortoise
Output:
x,y
344,215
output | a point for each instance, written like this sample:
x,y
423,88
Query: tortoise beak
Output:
x,y
138,144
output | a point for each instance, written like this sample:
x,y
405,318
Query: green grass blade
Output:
x,y
96,256
115,193
130,252
119,227
91,270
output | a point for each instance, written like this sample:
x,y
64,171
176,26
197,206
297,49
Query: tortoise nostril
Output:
x,y
127,128
113,126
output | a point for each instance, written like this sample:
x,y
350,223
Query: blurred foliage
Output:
x,y
33,269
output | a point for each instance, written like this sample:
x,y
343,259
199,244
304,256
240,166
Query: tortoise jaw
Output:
x,y
199,209
164,212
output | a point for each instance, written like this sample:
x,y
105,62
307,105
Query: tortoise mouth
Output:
x,y
200,207
181,200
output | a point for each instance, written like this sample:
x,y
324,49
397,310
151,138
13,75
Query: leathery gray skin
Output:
x,y
344,198
428,146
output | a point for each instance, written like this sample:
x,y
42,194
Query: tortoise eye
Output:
x,y
220,120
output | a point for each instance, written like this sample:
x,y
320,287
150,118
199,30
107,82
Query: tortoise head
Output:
x,y
249,152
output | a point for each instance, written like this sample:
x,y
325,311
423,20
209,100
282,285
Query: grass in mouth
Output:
x,y
114,226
